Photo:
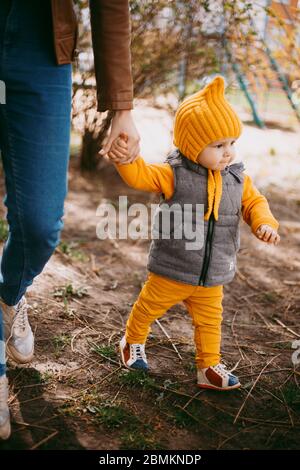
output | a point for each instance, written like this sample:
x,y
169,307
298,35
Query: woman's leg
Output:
x,y
34,142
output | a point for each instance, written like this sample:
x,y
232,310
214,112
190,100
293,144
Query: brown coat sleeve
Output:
x,y
111,31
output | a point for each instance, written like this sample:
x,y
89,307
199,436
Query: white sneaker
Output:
x,y
133,355
5,429
18,334
217,378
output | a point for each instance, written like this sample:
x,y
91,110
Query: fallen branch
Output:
x,y
254,384
169,338
286,327
46,439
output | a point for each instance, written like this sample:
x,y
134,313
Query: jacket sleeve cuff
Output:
x,y
264,221
114,105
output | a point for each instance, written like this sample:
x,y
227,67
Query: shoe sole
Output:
x,y
17,357
220,389
5,431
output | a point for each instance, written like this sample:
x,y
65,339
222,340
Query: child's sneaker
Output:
x,y
133,355
217,378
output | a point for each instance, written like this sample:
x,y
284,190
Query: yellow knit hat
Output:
x,y
202,118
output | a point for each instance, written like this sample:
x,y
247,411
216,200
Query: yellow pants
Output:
x,y
204,304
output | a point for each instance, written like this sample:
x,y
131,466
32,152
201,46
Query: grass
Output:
x,y
135,434
132,431
282,345
70,248
71,380
68,409
68,291
68,312
270,297
46,376
107,352
163,398
140,441
30,376
115,416
61,342
134,379
183,419
292,396
190,366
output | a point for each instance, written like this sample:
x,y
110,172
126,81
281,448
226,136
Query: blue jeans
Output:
x,y
34,143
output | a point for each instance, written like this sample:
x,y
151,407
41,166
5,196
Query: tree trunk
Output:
x,y
89,152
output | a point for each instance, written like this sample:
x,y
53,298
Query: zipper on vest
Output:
x,y
208,247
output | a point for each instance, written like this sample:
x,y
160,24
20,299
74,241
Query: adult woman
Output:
x,y
37,46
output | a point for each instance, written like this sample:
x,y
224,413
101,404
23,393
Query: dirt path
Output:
x,y
76,394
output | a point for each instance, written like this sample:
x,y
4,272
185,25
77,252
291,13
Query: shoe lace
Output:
x,y
221,369
21,318
139,351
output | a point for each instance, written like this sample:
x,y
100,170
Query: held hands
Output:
x,y
123,123
118,152
267,234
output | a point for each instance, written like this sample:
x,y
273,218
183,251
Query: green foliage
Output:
x,y
136,379
61,342
69,291
104,351
70,248
113,416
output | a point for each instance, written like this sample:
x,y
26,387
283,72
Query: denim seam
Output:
x,y
11,151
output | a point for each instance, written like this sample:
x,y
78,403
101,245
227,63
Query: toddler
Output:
x,y
198,174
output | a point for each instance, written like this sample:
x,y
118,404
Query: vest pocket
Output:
x,y
225,247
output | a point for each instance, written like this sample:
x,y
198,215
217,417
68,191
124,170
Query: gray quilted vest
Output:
x,y
211,260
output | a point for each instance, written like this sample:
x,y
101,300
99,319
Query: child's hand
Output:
x,y
118,152
267,234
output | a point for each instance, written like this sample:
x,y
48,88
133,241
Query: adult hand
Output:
x,y
123,123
